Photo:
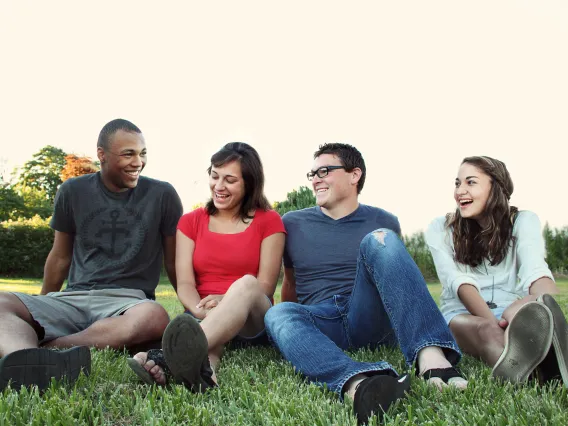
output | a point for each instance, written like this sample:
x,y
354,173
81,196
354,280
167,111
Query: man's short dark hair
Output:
x,y
349,156
112,127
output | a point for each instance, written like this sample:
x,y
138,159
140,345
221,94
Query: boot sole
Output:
x,y
185,348
377,395
37,366
560,335
527,341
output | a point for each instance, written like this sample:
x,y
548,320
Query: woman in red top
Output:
x,y
228,257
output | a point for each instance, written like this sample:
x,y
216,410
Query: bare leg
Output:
x,y
242,310
16,325
141,323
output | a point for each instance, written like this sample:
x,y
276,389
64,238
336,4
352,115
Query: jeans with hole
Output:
x,y
389,305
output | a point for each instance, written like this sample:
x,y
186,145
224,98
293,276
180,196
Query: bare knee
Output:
x,y
246,286
489,332
12,305
146,321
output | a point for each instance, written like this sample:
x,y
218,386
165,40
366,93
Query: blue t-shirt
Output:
x,y
323,251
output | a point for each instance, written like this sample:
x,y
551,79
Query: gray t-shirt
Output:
x,y
117,236
324,251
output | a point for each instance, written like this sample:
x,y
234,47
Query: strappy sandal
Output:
x,y
155,355
444,374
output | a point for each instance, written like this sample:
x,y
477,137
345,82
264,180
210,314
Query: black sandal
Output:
x,y
375,394
155,355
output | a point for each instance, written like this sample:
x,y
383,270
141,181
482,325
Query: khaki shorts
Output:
x,y
69,312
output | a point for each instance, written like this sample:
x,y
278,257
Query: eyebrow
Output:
x,y
213,171
129,150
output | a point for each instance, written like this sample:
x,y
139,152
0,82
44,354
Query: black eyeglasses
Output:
x,y
322,171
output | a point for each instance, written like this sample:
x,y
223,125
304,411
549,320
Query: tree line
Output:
x,y
27,202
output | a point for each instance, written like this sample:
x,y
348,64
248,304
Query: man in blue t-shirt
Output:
x,y
350,283
113,230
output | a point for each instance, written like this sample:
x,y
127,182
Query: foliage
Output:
x,y
556,241
418,249
11,205
25,245
296,200
77,166
43,171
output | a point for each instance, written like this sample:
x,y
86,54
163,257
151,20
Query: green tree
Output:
x,y
42,172
298,199
11,204
556,241
418,249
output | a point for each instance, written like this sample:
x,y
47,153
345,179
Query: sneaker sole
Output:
x,y
185,348
560,335
527,341
37,366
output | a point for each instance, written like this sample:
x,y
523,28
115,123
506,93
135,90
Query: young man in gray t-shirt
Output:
x,y
113,229
350,283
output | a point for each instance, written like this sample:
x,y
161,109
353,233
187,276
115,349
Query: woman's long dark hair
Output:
x,y
253,176
472,243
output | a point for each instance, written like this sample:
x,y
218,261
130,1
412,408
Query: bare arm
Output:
x,y
543,285
169,248
289,286
186,290
57,263
271,251
474,303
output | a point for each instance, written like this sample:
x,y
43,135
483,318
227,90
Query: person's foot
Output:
x,y
186,353
527,342
557,364
37,366
145,365
376,394
436,370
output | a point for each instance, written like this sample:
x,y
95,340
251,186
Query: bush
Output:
x,y
25,245
418,249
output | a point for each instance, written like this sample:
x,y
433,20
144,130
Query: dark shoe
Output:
x,y
527,341
37,366
155,355
375,394
559,349
186,353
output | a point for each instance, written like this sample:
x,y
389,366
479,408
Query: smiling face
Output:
x,y
472,191
123,161
227,186
336,189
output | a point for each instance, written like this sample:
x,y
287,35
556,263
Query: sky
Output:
x,y
416,86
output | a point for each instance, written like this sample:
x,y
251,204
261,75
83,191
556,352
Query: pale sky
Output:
x,y
415,85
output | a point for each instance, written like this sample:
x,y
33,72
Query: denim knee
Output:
x,y
382,242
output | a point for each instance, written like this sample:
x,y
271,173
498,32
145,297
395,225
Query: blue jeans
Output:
x,y
389,305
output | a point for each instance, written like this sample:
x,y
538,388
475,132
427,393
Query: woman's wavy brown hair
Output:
x,y
472,244
253,176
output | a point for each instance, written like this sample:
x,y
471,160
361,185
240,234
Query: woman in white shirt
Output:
x,y
496,285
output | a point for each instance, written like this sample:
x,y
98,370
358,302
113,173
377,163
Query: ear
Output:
x,y
355,176
101,154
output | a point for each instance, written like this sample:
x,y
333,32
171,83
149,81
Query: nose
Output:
x,y
137,161
460,190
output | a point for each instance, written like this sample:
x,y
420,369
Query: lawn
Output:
x,y
259,388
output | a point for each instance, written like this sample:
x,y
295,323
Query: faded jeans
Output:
x,y
389,305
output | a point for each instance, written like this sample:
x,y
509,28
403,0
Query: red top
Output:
x,y
221,259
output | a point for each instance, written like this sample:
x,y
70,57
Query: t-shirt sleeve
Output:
x,y
172,210
62,219
451,277
286,257
189,222
530,249
272,224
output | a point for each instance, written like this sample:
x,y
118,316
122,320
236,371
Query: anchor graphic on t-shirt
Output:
x,y
114,230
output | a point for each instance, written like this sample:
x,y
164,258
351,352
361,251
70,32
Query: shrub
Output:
x,y
25,245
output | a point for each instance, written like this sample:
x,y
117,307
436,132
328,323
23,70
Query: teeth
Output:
x,y
462,202
133,173
221,195
321,190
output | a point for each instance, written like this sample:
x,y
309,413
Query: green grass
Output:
x,y
259,388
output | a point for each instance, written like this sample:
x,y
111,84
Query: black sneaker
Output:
x,y
37,366
186,350
375,394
